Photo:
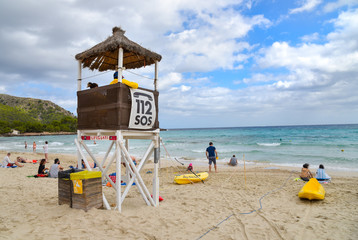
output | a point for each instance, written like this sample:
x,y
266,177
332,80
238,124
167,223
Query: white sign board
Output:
x,y
143,111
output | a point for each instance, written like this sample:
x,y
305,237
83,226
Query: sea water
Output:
x,y
335,146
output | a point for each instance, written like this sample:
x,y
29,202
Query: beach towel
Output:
x,y
113,178
39,175
324,181
8,166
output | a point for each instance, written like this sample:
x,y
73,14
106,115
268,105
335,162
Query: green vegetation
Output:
x,y
34,115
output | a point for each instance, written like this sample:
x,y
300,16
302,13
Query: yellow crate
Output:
x,y
85,175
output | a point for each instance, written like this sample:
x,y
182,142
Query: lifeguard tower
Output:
x,y
118,113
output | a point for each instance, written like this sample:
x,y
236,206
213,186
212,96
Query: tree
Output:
x,y
4,127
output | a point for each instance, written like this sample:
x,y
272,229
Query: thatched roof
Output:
x,y
104,56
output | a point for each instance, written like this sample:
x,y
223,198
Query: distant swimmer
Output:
x,y
92,85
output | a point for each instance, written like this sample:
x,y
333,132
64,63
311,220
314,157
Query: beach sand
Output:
x,y
214,210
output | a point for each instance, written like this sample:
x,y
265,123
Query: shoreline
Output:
x,y
37,134
166,162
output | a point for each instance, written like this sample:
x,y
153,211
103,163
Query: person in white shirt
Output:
x,y
8,163
46,151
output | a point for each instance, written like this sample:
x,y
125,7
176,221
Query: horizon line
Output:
x,y
263,126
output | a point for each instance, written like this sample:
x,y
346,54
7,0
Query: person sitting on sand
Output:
x,y
321,175
43,168
135,161
233,161
55,168
8,163
23,160
306,173
92,165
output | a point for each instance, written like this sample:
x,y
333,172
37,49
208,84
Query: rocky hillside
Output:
x,y
30,109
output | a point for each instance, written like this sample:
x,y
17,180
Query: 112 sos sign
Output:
x,y
143,111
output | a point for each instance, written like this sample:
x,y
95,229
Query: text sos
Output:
x,y
144,108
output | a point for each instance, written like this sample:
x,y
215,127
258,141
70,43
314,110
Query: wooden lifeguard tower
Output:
x,y
118,113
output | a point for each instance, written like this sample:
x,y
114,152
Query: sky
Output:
x,y
225,63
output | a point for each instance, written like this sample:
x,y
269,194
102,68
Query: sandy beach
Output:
x,y
218,209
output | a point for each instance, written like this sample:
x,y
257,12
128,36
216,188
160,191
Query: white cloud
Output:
x,y
307,5
169,79
332,6
311,37
259,78
215,44
184,88
339,54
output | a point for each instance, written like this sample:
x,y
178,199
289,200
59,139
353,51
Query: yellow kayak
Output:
x,y
312,190
191,178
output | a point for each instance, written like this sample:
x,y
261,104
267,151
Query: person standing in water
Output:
x,y
46,151
34,146
211,155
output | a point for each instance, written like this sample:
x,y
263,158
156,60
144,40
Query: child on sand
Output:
x,y
190,168
306,173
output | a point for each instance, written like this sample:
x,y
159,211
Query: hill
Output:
x,y
42,110
11,114
34,115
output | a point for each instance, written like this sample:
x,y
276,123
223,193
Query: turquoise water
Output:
x,y
335,146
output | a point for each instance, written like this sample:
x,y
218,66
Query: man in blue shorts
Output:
x,y
211,155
